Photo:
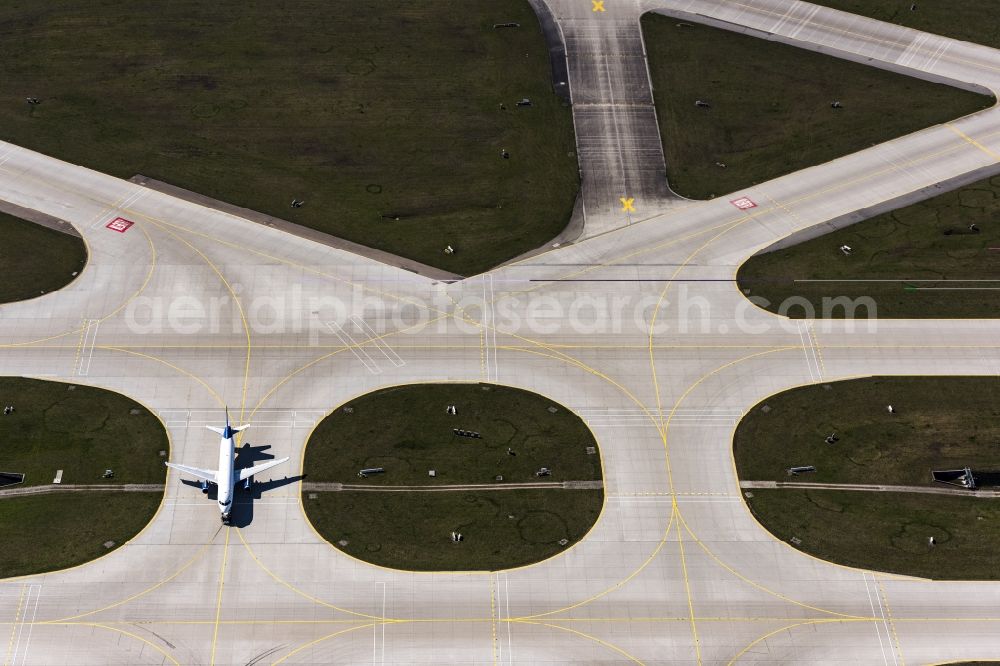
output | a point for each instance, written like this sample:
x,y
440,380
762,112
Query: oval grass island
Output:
x,y
871,502
436,483
73,433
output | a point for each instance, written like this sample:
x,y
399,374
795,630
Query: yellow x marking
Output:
x,y
627,204
598,5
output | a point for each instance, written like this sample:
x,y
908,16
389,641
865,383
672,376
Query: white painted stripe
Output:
x,y
493,330
359,352
386,350
20,655
87,346
378,629
108,213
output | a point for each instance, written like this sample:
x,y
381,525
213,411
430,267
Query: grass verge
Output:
x,y
35,259
385,121
412,530
967,20
81,430
48,532
408,431
771,109
923,260
940,423
888,531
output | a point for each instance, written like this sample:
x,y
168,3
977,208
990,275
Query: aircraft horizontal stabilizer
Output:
x,y
222,431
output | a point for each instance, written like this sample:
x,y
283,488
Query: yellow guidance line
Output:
x,y
239,307
296,590
493,619
324,638
779,630
968,139
136,637
218,602
13,627
194,558
581,634
687,584
892,624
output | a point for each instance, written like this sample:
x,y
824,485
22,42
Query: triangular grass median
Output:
x,y
767,109
384,117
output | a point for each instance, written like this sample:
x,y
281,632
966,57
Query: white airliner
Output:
x,y
226,478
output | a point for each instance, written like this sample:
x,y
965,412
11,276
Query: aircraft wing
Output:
x,y
257,469
203,474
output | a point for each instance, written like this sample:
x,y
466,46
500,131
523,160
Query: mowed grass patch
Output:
x,y
408,431
888,531
48,532
384,118
939,423
922,260
81,430
968,20
412,530
35,260
771,109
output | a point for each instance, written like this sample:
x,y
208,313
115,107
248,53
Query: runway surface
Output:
x,y
640,329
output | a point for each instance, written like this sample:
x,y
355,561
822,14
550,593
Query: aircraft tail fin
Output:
x,y
228,431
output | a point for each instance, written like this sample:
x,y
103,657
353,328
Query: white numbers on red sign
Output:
x,y
119,224
743,203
